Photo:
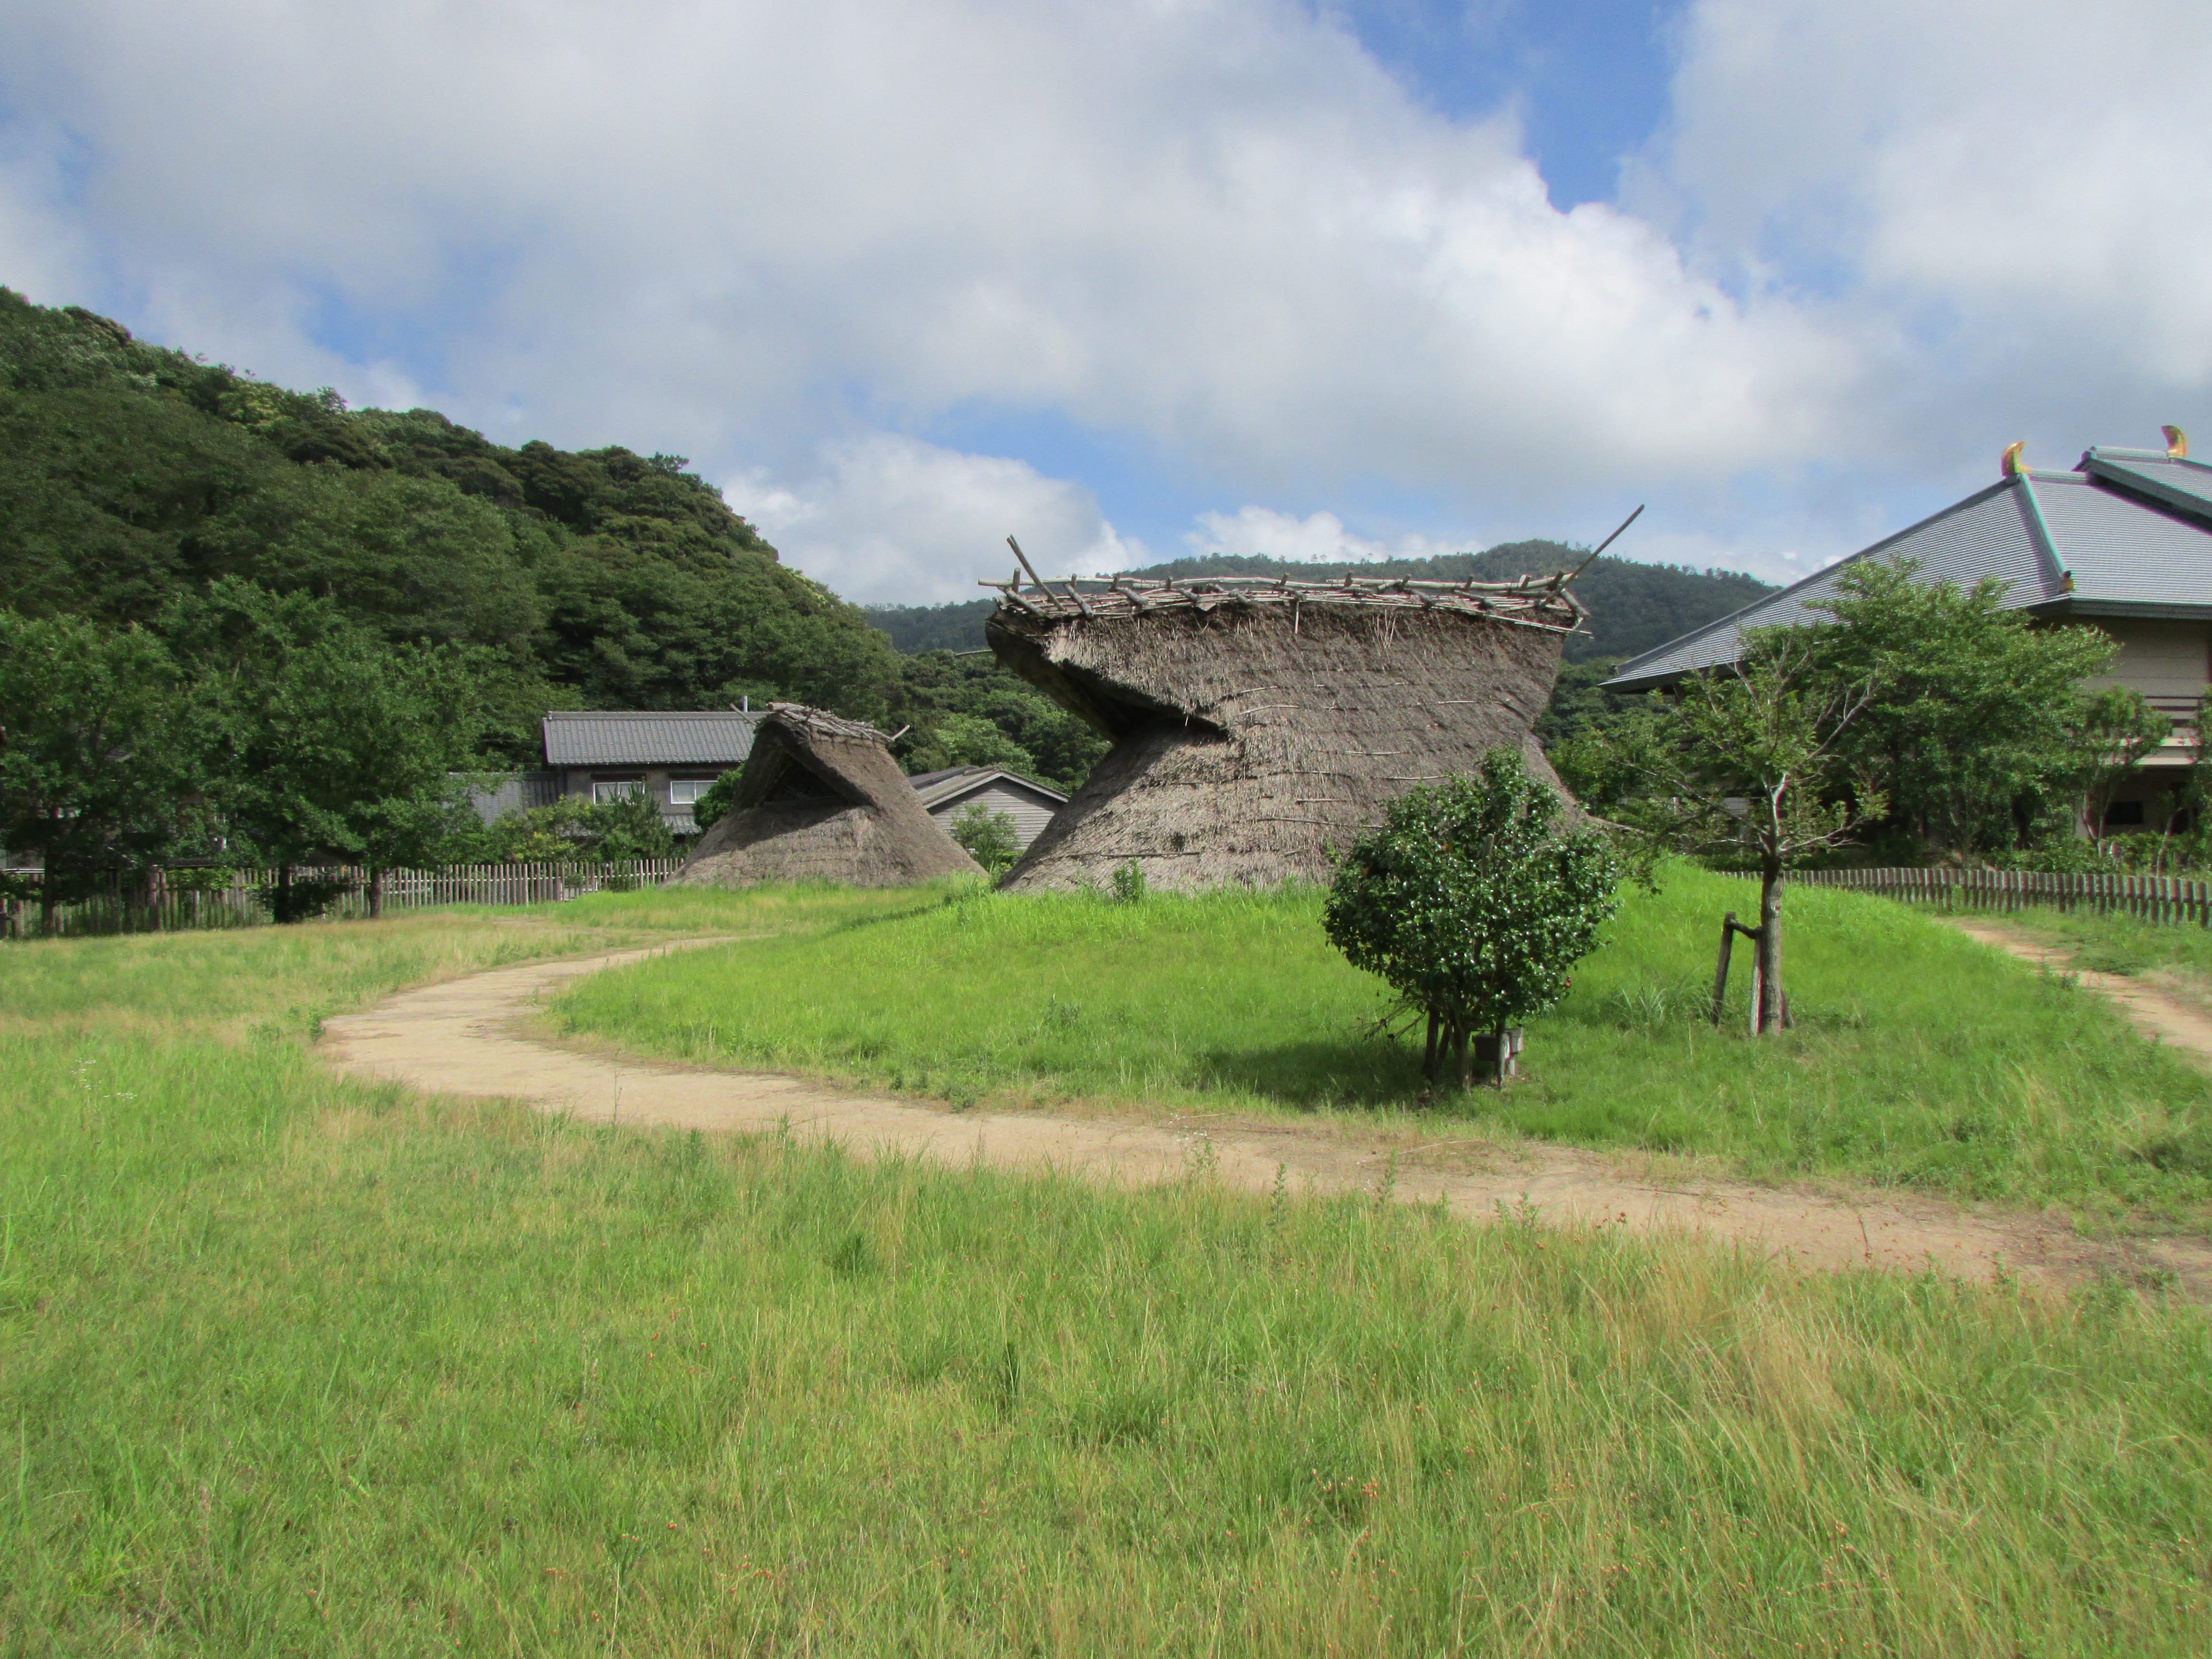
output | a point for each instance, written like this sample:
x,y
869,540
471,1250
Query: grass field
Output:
x,y
2120,944
1921,1058
295,1365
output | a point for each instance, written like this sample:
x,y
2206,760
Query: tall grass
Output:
x,y
292,1365
1920,1057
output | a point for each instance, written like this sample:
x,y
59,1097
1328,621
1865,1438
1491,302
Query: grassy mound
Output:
x,y
1920,1056
292,1365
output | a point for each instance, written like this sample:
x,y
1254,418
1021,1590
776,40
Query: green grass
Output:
x,y
1921,1058
292,1364
2116,944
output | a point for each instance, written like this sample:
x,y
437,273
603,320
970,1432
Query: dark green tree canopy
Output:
x,y
598,578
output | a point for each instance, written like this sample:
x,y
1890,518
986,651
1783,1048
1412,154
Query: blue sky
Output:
x,y
1326,280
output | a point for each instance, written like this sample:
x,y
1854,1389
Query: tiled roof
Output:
x,y
691,736
2133,529
934,788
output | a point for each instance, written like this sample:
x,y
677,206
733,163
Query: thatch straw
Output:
x,y
1259,724
821,799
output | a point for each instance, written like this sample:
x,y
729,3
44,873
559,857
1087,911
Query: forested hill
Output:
x,y
131,475
1633,606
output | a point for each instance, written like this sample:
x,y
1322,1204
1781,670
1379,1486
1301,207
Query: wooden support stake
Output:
x,y
1721,969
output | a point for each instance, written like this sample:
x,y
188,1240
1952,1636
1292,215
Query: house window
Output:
x,y
610,789
2124,815
686,792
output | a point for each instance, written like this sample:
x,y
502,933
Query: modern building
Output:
x,y
946,795
2122,541
672,756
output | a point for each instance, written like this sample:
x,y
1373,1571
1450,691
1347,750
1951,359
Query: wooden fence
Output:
x,y
2150,898
239,898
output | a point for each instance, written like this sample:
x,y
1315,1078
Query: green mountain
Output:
x,y
1633,606
131,475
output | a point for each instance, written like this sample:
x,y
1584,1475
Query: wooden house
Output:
x,y
1029,804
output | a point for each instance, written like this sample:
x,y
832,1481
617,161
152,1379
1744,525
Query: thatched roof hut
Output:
x,y
821,799
1258,722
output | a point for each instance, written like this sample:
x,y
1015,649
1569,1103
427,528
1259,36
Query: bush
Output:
x,y
1472,904
711,808
987,837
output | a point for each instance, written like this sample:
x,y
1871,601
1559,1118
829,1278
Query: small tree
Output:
x,y
1971,713
1472,904
1744,764
2115,731
987,837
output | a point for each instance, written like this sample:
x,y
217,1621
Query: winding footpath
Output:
x,y
469,1038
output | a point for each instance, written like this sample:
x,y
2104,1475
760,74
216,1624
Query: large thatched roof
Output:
x,y
821,799
1258,723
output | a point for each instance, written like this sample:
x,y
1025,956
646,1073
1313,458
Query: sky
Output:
x,y
1140,279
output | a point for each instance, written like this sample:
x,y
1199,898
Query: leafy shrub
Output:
x,y
1471,902
711,808
987,837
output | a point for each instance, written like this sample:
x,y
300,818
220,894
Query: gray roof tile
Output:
x,y
2125,554
2172,479
694,737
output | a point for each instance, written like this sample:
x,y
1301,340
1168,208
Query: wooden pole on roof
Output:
x,y
1606,542
1025,559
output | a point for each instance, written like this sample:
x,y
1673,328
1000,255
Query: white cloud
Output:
x,y
1877,242
2010,207
1216,225
892,520
1318,537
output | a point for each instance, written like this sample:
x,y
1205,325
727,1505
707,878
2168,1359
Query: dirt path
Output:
x,y
463,1037
2160,1018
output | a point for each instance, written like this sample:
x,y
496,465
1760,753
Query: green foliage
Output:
x,y
967,711
484,1381
137,476
323,742
96,747
711,808
630,827
2114,731
574,830
1975,723
1470,903
1128,883
987,837
915,629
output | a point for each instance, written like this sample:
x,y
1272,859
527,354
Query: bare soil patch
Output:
x,y
465,1037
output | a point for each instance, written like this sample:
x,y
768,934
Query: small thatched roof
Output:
x,y
1259,723
821,799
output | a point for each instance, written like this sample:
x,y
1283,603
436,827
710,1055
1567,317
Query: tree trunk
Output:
x,y
283,905
1429,1060
1770,1013
1462,1059
375,891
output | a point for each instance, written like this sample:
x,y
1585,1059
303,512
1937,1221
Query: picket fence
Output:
x,y
167,904
2150,898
